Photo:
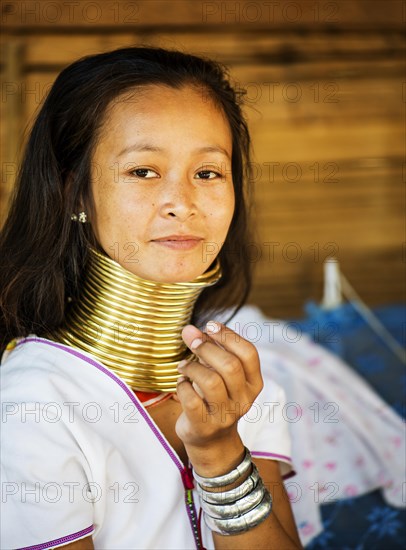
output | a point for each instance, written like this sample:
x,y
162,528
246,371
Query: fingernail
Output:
x,y
181,379
196,342
212,327
182,363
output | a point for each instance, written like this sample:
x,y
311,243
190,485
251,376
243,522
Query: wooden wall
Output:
x,y
326,97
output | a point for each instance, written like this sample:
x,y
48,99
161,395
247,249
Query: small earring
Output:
x,y
82,217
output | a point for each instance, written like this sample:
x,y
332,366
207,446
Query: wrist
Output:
x,y
218,457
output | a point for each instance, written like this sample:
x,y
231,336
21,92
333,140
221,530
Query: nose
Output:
x,y
178,200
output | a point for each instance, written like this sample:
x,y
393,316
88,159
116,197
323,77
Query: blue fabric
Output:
x,y
367,522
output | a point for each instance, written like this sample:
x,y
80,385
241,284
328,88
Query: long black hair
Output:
x,y
43,254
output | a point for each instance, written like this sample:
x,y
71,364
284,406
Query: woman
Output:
x,y
128,212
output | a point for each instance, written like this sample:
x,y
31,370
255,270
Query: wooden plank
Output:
x,y
336,180
330,222
312,237
11,115
62,50
278,203
320,246
227,14
236,49
318,70
311,101
323,142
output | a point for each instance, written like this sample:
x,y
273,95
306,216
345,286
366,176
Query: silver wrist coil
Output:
x,y
241,524
226,479
232,495
238,508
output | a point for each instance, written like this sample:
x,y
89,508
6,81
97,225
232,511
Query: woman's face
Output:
x,y
162,183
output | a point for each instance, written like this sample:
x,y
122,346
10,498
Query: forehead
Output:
x,y
154,109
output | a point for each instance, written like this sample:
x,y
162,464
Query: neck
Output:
x,y
132,325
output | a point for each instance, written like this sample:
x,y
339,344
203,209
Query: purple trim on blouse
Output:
x,y
289,475
130,394
63,540
260,454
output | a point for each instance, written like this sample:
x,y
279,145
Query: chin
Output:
x,y
176,275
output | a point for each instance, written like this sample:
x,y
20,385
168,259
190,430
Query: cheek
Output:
x,y
110,214
104,214
221,214
228,205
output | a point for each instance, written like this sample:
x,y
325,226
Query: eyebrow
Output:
x,y
152,148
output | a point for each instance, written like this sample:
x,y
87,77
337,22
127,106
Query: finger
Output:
x,y
192,404
231,341
226,364
194,385
210,383
191,334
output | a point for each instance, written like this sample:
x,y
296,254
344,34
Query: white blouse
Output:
x,y
81,456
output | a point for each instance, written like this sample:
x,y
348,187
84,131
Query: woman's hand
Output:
x,y
214,393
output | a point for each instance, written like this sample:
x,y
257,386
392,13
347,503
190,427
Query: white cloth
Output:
x,y
81,456
346,441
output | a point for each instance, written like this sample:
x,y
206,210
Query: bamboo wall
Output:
x,y
326,97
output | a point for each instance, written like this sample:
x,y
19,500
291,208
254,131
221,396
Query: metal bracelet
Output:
x,y
235,509
233,526
226,479
225,497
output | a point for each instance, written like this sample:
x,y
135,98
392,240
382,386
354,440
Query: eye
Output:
x,y
208,175
144,173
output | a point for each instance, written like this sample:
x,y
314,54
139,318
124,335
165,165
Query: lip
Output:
x,y
179,242
178,238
